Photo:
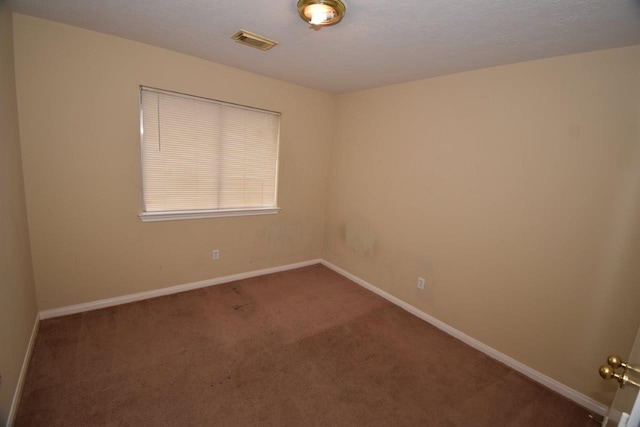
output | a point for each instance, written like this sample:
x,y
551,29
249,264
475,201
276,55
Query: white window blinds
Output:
x,y
205,155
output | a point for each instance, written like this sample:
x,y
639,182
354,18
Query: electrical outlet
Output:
x,y
420,282
216,254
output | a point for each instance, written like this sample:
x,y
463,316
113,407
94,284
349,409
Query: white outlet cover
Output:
x,y
420,282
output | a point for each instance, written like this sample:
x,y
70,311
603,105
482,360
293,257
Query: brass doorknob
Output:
x,y
614,362
607,372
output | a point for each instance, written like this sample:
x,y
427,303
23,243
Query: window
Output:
x,y
204,158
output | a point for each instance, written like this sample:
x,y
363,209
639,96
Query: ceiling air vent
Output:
x,y
253,40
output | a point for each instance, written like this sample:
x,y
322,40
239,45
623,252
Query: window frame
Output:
x,y
170,215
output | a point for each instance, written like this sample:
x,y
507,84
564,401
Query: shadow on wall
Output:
x,y
287,238
359,237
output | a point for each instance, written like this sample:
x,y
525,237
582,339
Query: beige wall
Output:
x,y
515,191
78,105
17,293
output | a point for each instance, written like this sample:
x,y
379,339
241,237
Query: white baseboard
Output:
x,y
17,394
109,302
577,397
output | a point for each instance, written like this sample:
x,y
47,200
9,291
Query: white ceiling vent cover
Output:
x,y
253,40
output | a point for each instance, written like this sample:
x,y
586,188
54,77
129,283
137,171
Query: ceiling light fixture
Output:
x,y
321,12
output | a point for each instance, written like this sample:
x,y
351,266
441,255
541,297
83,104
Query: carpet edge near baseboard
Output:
x,y
17,393
556,386
170,290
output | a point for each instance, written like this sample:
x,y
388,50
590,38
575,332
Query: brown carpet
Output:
x,y
299,348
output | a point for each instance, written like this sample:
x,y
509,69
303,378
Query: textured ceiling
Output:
x,y
379,42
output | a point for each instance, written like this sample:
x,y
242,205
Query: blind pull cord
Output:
x,y
159,139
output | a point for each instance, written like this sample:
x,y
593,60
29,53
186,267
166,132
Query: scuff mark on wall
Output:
x,y
359,237
284,237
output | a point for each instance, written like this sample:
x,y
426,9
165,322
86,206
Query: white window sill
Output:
x,y
177,215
